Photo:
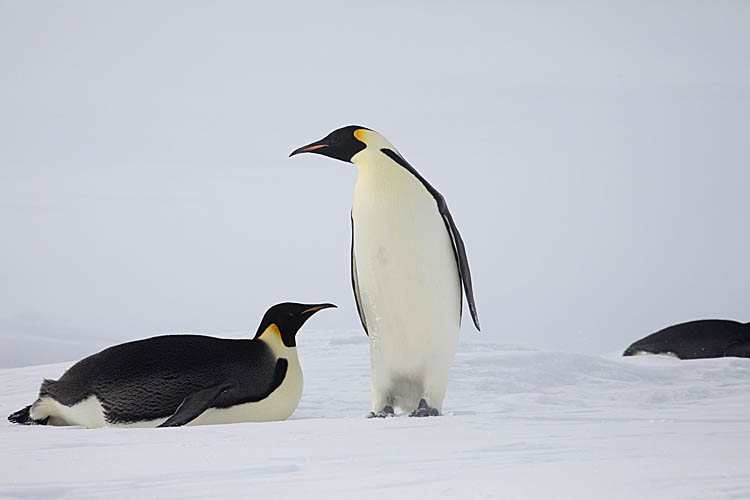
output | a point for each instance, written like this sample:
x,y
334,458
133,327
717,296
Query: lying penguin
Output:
x,y
175,380
707,338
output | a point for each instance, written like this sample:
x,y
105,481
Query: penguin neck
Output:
x,y
382,181
271,336
372,160
373,166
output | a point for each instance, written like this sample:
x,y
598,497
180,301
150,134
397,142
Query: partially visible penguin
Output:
x,y
408,265
175,380
707,338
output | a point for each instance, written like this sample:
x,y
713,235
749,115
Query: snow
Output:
x,y
519,423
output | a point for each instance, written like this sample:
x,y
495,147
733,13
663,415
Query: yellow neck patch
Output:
x,y
272,330
361,135
272,337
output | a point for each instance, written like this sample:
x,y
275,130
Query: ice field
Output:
x,y
519,424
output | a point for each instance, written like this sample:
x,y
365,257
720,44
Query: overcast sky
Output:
x,y
595,159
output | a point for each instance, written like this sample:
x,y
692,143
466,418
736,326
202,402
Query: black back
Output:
x,y
708,338
149,379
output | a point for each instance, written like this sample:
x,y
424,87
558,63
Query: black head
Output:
x,y
289,318
341,144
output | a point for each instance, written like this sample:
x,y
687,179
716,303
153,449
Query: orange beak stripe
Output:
x,y
316,147
316,308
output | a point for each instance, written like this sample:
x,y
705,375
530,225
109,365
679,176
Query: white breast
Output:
x,y
408,277
279,405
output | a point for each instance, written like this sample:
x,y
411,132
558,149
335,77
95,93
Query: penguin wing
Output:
x,y
224,395
459,249
463,262
355,285
196,403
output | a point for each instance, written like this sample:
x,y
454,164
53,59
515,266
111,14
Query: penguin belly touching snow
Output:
x,y
408,266
175,380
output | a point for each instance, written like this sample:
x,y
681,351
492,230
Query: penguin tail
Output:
x,y
22,416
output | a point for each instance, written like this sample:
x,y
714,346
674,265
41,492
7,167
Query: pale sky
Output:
x,y
595,160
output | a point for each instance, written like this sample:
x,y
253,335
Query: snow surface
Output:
x,y
520,424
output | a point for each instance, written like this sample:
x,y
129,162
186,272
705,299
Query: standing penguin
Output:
x,y
175,380
408,263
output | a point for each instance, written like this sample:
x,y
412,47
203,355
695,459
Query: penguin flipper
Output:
x,y
196,403
355,285
463,262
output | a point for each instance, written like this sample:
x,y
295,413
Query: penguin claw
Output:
x,y
424,410
387,411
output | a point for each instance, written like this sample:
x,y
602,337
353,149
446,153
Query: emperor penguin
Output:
x,y
408,265
174,380
705,338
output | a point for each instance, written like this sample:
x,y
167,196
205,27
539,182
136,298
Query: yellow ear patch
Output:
x,y
272,337
271,332
273,329
361,135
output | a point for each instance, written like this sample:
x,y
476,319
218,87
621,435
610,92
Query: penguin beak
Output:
x,y
311,148
315,308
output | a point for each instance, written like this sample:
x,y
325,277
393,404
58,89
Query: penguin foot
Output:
x,y
387,411
424,410
22,416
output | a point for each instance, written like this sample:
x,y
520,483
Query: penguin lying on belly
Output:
x,y
175,380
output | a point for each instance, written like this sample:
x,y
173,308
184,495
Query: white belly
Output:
x,y
408,277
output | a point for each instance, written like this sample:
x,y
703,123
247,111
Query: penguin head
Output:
x,y
341,144
289,318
